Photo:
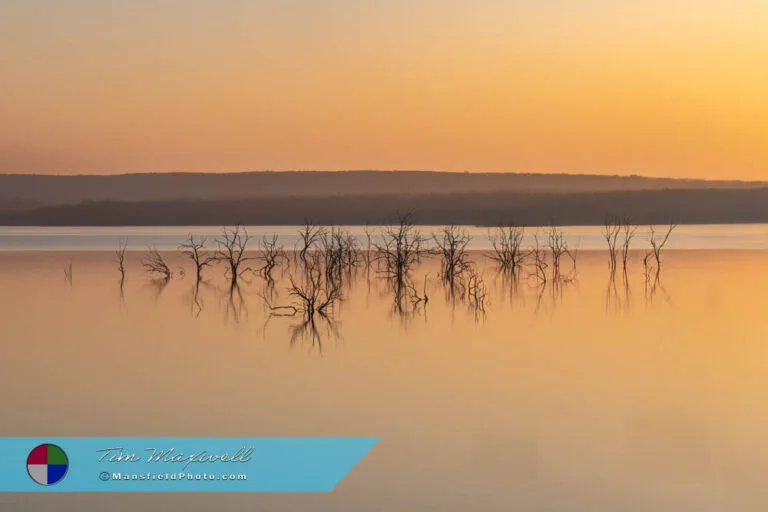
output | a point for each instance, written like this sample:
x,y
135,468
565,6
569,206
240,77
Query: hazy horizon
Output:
x,y
670,89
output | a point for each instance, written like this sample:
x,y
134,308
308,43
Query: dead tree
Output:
x,y
399,250
156,265
558,247
351,250
658,243
507,248
231,251
629,234
340,249
417,299
312,292
307,327
452,247
338,253
611,232
309,236
315,294
272,253
122,245
397,254
195,250
540,264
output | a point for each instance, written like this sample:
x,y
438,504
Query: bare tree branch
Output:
x,y
272,253
629,234
658,243
452,245
539,261
195,250
155,264
507,243
611,232
558,247
397,254
121,247
231,250
309,235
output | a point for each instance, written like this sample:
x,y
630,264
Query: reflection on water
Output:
x,y
605,391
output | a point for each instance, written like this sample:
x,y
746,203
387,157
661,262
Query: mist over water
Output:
x,y
600,394
704,236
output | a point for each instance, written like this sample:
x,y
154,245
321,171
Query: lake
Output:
x,y
710,236
599,394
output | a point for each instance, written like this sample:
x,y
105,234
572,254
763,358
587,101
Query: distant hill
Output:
x,y
704,206
25,192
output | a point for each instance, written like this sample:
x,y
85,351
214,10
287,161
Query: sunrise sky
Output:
x,y
659,87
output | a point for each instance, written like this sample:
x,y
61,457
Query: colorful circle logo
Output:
x,y
47,464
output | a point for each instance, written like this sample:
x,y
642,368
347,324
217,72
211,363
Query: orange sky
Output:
x,y
663,88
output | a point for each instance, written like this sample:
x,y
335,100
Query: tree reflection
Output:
x,y
618,297
309,329
235,306
157,286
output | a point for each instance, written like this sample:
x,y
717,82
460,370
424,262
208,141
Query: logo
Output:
x,y
47,464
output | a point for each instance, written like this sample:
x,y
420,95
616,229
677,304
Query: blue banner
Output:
x,y
133,464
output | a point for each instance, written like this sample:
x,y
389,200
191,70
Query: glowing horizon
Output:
x,y
672,89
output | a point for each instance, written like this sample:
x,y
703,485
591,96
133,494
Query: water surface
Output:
x,y
599,396
705,236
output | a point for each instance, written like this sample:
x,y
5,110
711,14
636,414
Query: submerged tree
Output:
x,y
340,253
231,251
398,251
195,250
652,258
540,264
122,245
309,236
272,253
397,254
558,247
629,234
417,298
507,243
658,242
452,247
155,264
311,291
611,232
350,250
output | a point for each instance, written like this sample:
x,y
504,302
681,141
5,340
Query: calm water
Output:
x,y
710,236
595,397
